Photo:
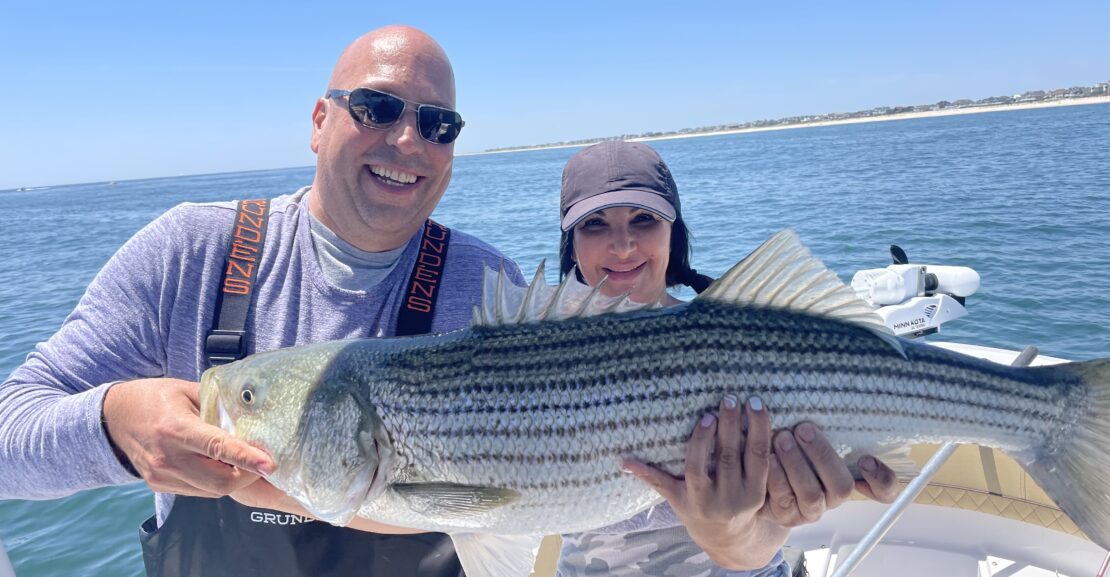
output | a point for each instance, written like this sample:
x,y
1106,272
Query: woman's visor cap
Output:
x,y
616,173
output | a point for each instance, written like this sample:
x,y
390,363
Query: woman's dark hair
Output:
x,y
678,267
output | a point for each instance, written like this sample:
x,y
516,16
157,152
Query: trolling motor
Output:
x,y
914,299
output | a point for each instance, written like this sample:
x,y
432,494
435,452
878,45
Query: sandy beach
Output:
x,y
884,118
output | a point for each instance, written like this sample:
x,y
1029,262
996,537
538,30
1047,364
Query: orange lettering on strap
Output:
x,y
233,266
242,251
259,206
426,274
255,222
428,291
241,233
435,227
237,286
435,246
430,259
419,304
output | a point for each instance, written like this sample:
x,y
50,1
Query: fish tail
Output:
x,y
1076,473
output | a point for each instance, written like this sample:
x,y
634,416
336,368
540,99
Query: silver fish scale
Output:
x,y
550,409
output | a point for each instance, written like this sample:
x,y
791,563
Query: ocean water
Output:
x,y
1022,196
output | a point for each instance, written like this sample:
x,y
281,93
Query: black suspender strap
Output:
x,y
226,341
415,315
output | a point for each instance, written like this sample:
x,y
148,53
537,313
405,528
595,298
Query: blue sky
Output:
x,y
94,91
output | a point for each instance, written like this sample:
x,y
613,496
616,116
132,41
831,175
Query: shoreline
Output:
x,y
887,117
859,120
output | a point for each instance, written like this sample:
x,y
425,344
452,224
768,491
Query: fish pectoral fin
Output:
x,y
486,555
453,501
897,457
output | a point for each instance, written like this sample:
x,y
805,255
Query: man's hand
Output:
x,y
156,423
260,494
721,511
807,478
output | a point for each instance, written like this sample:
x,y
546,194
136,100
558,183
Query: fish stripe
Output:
x,y
549,409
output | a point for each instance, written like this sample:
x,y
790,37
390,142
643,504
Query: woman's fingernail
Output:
x,y
707,420
785,442
867,464
755,404
730,401
807,432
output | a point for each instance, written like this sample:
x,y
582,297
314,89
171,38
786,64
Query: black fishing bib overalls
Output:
x,y
219,537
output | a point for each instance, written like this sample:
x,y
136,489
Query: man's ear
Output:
x,y
319,115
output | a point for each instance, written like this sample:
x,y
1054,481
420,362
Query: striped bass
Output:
x,y
517,426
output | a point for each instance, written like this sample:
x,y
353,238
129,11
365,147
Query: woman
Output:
x,y
621,221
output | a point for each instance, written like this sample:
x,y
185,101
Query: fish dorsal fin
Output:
x,y
782,274
505,303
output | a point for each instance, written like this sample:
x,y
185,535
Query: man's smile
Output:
x,y
393,177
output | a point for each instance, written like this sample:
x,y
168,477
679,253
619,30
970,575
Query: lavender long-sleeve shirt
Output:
x,y
146,315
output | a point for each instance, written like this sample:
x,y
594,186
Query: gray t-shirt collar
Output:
x,y
346,266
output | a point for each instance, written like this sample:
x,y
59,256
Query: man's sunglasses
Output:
x,y
378,109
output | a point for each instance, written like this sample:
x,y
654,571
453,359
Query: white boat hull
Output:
x,y
6,569
932,541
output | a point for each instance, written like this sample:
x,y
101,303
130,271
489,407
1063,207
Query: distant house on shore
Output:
x,y
1101,89
1033,96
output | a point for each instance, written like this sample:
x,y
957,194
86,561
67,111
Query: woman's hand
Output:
x,y
722,511
741,515
807,478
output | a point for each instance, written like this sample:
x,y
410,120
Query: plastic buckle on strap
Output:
x,y
223,346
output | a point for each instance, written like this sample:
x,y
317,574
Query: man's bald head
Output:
x,y
393,50
376,185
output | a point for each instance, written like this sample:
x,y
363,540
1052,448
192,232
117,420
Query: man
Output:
x,y
113,395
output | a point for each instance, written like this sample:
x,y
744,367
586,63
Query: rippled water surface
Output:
x,y
1023,197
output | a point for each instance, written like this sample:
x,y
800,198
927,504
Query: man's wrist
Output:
x,y
122,457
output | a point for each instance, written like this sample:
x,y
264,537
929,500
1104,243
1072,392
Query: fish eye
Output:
x,y
247,394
